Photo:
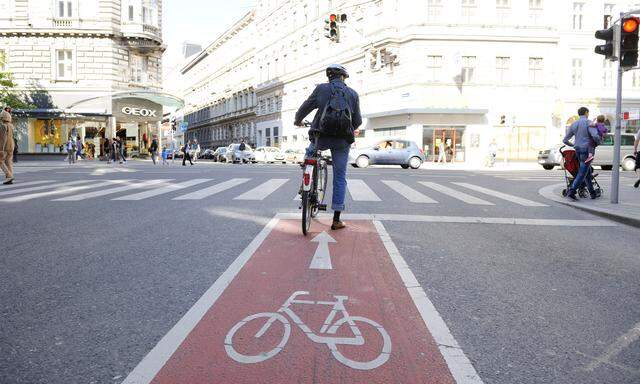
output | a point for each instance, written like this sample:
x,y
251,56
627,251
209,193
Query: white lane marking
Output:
x,y
408,193
501,195
42,187
149,367
62,191
212,190
104,192
614,349
459,365
322,257
262,191
161,191
455,194
297,198
20,184
360,191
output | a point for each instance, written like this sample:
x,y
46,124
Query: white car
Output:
x,y
268,155
294,156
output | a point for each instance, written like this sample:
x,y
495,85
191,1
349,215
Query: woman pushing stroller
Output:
x,y
586,138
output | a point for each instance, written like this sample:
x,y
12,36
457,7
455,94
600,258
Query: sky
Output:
x,y
199,21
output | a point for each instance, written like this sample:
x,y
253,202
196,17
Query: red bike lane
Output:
x,y
280,321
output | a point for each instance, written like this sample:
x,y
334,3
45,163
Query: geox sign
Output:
x,y
139,112
132,109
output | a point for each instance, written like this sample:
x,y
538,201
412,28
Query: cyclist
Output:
x,y
330,97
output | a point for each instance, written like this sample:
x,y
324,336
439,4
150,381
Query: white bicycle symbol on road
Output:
x,y
328,328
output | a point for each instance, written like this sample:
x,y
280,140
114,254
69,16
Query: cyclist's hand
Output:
x,y
356,132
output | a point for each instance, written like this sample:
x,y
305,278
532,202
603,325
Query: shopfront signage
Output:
x,y
139,112
136,110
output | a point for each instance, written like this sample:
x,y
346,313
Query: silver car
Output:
x,y
400,152
603,158
235,155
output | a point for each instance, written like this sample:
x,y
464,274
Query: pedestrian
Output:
x,y
637,154
242,146
442,153
196,151
6,145
72,150
79,148
106,150
186,156
145,140
165,155
173,150
585,136
153,149
337,122
15,146
114,149
493,152
121,150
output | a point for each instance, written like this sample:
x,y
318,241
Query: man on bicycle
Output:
x,y
332,99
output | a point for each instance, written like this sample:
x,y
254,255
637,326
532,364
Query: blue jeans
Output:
x,y
340,158
584,173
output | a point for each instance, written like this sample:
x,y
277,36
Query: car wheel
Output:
x,y
362,162
628,164
548,167
606,167
405,166
415,162
354,165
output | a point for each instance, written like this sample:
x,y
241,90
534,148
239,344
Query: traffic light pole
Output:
x,y
615,177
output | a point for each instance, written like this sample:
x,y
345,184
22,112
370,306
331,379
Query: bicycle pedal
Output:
x,y
322,207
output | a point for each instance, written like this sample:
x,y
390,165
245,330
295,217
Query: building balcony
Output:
x,y
141,31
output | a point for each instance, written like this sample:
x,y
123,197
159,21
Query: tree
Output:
x,y
10,96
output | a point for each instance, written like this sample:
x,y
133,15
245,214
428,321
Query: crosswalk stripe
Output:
x,y
409,193
212,190
43,187
20,184
360,191
262,191
503,196
455,194
161,191
61,191
104,192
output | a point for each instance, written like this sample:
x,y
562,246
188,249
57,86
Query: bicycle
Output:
x,y
314,184
327,334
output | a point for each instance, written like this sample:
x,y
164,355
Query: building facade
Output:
x,y
459,73
91,67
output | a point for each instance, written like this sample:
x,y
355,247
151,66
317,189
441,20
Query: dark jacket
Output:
x,y
320,98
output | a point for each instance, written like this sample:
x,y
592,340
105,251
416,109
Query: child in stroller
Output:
x,y
571,165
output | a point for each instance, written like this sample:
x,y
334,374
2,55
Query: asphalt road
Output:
x,y
89,285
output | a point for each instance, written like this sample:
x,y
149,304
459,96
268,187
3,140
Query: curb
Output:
x,y
549,193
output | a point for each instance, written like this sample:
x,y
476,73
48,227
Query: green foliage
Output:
x,y
9,96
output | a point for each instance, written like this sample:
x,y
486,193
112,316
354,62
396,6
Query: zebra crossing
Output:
x,y
249,189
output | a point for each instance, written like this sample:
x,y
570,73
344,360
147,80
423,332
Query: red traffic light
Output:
x,y
630,25
333,18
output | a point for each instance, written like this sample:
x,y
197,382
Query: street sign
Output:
x,y
184,126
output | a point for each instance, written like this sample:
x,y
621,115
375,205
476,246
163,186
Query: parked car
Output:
x,y
235,155
219,154
388,152
268,155
295,156
604,154
207,154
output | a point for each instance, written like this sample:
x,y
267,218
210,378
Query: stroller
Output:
x,y
571,165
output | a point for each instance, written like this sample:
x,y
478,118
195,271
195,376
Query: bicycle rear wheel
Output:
x,y
306,212
321,188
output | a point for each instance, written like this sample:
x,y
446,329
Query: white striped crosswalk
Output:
x,y
248,189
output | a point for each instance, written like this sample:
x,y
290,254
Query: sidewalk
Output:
x,y
627,211
499,166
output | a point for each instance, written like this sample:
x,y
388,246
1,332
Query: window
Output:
x,y
267,135
64,64
503,11
275,136
139,68
535,12
468,68
503,65
131,14
608,9
577,16
65,9
3,60
607,73
468,10
536,68
576,73
434,10
434,68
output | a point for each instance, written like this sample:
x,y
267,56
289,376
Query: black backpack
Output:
x,y
336,116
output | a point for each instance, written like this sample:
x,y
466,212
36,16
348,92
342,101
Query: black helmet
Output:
x,y
335,70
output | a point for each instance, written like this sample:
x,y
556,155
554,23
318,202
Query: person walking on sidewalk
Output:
x,y
637,154
72,150
186,156
6,145
585,136
153,149
165,155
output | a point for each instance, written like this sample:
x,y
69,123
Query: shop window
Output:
x,y
64,64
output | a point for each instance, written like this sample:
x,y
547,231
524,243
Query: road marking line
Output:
x,y
455,194
149,367
61,191
262,191
459,365
162,191
408,193
20,184
212,190
42,187
503,196
360,191
104,192
614,349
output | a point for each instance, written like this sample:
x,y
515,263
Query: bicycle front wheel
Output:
x,y
306,212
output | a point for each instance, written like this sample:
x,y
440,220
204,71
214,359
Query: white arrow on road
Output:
x,y
322,257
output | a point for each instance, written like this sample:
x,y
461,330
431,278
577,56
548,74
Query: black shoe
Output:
x,y
572,196
8,181
637,184
594,196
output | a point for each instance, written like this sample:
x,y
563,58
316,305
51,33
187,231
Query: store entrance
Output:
x,y
443,144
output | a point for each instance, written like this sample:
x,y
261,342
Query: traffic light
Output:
x,y
503,119
331,28
606,49
173,124
629,42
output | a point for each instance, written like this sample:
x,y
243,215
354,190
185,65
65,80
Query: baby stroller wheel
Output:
x,y
583,193
564,193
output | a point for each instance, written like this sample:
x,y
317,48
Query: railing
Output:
x,y
63,23
150,29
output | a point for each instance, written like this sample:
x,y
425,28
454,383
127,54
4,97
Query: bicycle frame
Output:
x,y
327,327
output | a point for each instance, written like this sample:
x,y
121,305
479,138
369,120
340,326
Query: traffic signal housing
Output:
x,y
332,29
629,42
606,49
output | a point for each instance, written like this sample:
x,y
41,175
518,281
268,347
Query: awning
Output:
x,y
427,111
164,99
